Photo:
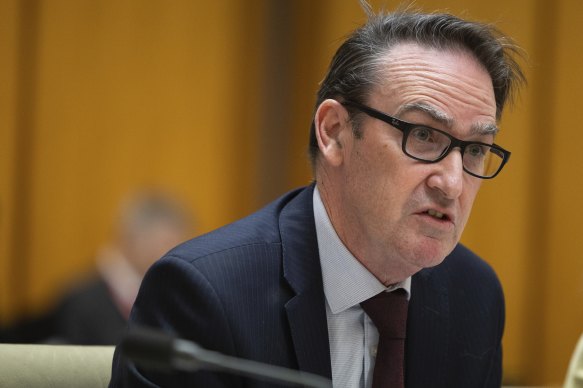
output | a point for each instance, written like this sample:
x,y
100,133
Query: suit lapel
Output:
x,y
427,330
306,311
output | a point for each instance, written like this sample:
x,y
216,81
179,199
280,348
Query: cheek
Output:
x,y
468,197
472,187
383,174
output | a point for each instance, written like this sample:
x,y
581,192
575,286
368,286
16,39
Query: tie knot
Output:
x,y
388,311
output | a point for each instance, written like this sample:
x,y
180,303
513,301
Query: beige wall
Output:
x,y
212,100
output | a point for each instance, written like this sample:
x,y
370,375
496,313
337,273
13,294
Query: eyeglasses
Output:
x,y
431,145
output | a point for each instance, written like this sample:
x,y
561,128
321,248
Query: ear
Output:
x,y
331,120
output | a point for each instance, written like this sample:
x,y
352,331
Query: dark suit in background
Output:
x,y
94,309
89,316
253,290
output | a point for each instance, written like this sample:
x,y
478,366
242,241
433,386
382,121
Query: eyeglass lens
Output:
x,y
429,145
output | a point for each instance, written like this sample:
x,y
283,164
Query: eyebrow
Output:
x,y
444,119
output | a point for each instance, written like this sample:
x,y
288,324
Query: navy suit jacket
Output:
x,y
253,289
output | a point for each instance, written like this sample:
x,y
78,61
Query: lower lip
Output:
x,y
441,224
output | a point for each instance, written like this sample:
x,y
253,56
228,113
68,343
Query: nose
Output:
x,y
447,177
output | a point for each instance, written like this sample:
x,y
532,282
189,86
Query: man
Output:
x,y
401,139
96,310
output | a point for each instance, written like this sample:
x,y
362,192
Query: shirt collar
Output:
x,y
346,281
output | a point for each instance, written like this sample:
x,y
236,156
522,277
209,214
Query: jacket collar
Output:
x,y
306,311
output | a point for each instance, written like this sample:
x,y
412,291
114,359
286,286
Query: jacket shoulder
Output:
x,y
259,228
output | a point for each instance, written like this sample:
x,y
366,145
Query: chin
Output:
x,y
426,255
432,262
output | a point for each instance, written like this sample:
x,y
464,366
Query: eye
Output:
x,y
476,150
423,134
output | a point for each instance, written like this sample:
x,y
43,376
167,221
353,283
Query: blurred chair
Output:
x,y
60,366
575,372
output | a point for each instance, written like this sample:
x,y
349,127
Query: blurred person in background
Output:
x,y
95,310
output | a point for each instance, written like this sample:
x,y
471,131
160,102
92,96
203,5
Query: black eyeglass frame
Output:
x,y
406,128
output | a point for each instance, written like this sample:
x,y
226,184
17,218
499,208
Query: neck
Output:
x,y
388,270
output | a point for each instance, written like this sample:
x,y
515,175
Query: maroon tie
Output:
x,y
388,311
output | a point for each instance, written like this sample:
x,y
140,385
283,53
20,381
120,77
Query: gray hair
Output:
x,y
357,65
149,208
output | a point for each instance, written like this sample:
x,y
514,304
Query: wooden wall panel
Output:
x,y
105,96
131,94
563,279
9,24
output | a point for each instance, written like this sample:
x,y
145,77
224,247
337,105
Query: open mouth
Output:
x,y
435,214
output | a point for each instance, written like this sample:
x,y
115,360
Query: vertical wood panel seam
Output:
x,y
275,126
26,86
543,90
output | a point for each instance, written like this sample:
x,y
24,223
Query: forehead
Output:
x,y
450,80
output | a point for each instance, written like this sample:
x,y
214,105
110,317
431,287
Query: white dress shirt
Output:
x,y
353,336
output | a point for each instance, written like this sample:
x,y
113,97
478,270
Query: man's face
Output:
x,y
389,204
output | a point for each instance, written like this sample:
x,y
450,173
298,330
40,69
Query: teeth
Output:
x,y
435,214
